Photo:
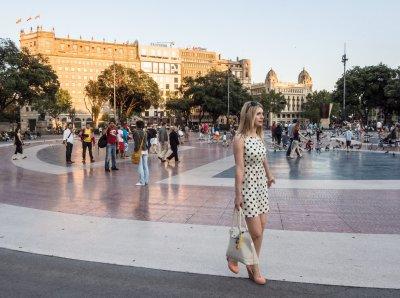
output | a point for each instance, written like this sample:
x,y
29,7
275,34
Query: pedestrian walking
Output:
x,y
290,135
88,141
174,143
252,180
296,141
140,139
348,135
278,133
18,145
68,141
111,149
163,139
273,131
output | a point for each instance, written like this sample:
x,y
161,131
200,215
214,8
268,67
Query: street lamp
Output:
x,y
115,100
344,60
229,74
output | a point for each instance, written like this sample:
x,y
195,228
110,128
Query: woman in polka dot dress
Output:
x,y
252,179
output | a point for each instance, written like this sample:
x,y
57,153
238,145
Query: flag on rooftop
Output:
x,y
18,21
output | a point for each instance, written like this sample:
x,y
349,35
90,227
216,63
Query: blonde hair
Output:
x,y
247,117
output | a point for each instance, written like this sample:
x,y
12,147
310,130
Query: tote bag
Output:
x,y
136,155
241,247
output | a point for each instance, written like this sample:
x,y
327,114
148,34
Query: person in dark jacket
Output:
x,y
163,140
140,139
174,143
18,144
278,133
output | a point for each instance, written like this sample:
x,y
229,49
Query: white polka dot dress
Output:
x,y
255,191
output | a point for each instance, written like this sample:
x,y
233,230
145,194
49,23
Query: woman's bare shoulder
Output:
x,y
238,140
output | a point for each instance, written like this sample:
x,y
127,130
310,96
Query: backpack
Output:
x,y
102,143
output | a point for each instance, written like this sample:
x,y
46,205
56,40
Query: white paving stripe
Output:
x,y
33,163
204,176
312,257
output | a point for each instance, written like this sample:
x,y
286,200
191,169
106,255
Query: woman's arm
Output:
x,y
270,176
238,152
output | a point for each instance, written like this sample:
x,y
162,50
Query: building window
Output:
x,y
27,109
167,86
176,80
155,67
161,68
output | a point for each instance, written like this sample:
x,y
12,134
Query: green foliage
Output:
x,y
272,102
311,108
94,101
181,108
366,89
209,94
62,104
392,92
135,90
25,79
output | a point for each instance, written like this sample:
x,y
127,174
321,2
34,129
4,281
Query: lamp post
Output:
x,y
115,97
229,74
344,60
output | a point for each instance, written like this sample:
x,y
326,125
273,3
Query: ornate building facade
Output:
x,y
198,61
76,61
294,93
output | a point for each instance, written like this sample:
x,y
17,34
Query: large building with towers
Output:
x,y
294,93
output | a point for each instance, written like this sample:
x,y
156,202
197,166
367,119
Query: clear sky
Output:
x,y
286,35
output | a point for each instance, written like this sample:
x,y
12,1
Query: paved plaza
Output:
x,y
333,224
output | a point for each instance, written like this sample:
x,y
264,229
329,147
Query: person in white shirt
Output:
x,y
68,140
121,145
348,136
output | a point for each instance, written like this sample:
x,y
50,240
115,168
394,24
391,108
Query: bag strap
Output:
x,y
141,143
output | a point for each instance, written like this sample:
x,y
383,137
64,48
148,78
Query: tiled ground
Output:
x,y
94,192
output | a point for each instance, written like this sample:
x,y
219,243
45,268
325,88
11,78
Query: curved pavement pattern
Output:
x,y
301,244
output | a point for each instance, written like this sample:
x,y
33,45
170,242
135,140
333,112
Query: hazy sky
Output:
x,y
285,35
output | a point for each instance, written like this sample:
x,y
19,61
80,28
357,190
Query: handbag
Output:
x,y
136,155
241,247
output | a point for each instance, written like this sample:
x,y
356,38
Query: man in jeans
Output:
x,y
68,140
163,139
87,137
111,150
290,134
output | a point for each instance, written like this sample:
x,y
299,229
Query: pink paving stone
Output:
x,y
93,192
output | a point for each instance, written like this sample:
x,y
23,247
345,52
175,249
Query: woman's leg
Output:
x,y
145,168
256,226
141,170
294,147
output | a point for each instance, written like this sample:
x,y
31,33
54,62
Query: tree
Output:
x,y
365,90
94,100
63,104
25,79
135,90
392,92
209,93
72,114
272,102
181,108
311,108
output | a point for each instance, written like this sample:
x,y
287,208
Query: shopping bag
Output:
x,y
241,247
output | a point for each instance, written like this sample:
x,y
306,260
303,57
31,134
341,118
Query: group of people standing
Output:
x,y
116,143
